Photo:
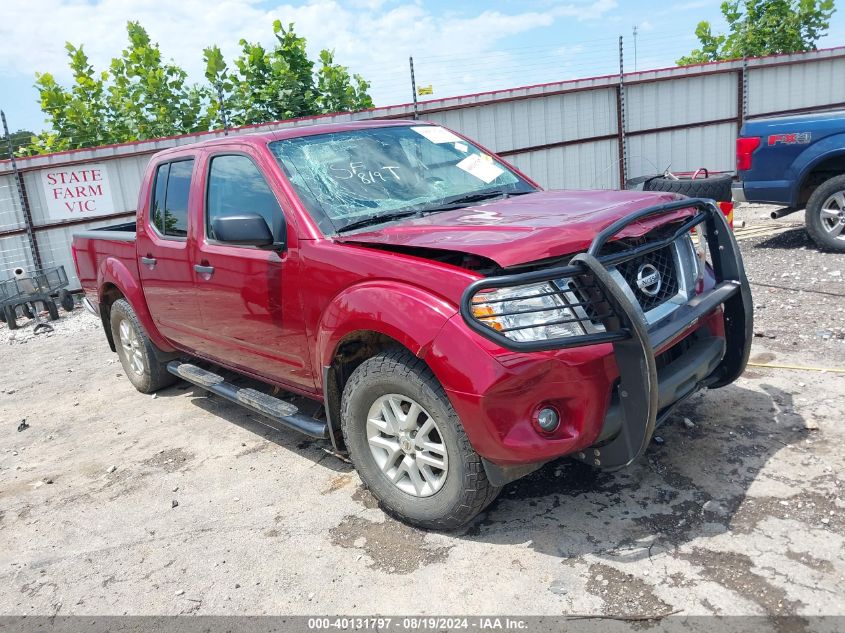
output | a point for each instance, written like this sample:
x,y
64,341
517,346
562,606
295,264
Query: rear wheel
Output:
x,y
66,300
409,446
825,215
136,351
27,311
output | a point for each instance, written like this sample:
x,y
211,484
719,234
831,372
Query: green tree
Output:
x,y
281,83
148,98
137,98
220,86
77,115
141,96
335,90
762,27
20,139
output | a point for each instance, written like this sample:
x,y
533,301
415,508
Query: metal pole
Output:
x,y
620,113
414,89
222,103
635,47
27,216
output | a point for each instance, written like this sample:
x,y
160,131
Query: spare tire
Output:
x,y
717,186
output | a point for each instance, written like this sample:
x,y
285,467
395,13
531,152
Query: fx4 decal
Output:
x,y
796,138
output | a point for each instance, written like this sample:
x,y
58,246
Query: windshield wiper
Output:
x,y
462,201
377,219
446,205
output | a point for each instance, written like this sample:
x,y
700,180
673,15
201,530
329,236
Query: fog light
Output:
x,y
548,419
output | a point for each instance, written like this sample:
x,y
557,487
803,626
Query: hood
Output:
x,y
524,228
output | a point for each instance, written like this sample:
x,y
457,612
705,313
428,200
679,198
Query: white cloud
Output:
x,y
373,37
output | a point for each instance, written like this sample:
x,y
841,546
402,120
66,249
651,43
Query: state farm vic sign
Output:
x,y
77,192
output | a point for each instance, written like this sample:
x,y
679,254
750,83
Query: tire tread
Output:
x,y
477,492
157,376
717,187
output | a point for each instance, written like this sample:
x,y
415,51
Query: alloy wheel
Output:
x,y
131,343
833,215
407,445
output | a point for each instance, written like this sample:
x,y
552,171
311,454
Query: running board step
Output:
x,y
278,410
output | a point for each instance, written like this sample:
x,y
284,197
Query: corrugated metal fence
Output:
x,y
564,135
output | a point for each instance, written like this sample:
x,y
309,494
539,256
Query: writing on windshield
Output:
x,y
346,178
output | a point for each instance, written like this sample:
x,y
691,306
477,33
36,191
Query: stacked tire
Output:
x,y
715,186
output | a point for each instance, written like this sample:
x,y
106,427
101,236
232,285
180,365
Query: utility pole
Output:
x,y
27,214
635,47
414,89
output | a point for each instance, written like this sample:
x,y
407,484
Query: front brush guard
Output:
x,y
626,328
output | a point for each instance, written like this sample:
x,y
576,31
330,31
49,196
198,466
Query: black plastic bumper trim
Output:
x,y
676,381
499,475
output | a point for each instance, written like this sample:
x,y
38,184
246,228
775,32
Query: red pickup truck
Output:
x,y
460,325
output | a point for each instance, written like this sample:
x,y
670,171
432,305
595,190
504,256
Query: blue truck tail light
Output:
x,y
745,147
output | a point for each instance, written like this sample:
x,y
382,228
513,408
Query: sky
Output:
x,y
459,47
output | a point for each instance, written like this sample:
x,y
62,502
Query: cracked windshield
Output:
x,y
368,177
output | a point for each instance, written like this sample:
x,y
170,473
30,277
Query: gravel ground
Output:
x,y
112,502
799,292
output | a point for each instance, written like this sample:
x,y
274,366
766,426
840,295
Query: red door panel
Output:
x,y
164,249
250,298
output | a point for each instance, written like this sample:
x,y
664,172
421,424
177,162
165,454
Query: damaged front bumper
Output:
x,y
643,396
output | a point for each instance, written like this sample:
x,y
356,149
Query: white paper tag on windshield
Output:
x,y
482,168
437,134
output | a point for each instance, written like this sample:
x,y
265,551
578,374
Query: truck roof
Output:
x,y
262,138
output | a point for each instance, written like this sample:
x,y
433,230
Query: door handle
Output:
x,y
150,262
204,270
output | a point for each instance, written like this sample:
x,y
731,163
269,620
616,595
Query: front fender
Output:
x,y
113,271
409,314
828,147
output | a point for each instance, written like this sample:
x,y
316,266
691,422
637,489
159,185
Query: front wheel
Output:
x,y
136,351
409,446
52,310
11,317
825,215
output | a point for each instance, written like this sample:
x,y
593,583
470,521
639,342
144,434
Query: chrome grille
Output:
x,y
652,278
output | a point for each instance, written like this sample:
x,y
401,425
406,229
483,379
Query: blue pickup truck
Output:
x,y
797,162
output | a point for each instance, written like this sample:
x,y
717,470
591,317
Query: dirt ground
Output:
x,y
112,502
799,292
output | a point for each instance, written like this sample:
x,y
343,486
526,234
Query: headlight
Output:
x,y
533,312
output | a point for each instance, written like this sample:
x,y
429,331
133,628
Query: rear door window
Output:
x,y
176,203
169,213
160,191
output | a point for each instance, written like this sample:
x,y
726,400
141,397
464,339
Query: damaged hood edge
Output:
x,y
523,229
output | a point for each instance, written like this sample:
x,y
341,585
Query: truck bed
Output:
x,y
93,248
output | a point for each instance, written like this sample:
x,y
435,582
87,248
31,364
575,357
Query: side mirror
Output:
x,y
247,229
